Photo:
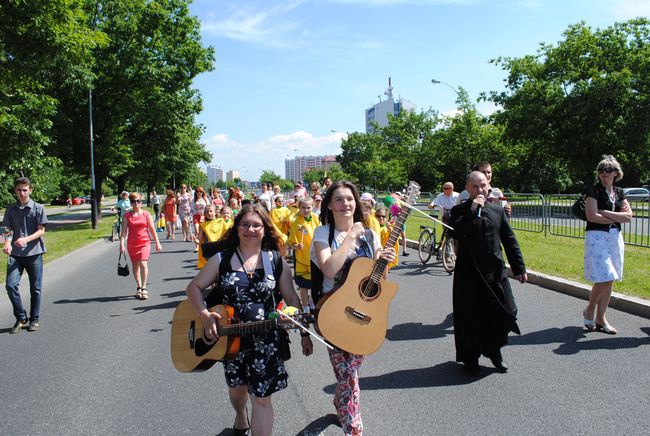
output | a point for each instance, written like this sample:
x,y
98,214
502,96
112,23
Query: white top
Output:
x,y
443,201
493,197
321,234
265,198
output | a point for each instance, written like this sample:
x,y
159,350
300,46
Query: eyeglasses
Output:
x,y
137,201
256,227
446,189
607,170
380,216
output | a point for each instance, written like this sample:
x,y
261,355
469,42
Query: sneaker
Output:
x,y
18,326
34,326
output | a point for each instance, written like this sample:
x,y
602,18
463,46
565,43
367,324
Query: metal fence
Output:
x,y
552,214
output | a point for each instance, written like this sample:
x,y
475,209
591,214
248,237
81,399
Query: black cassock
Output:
x,y
484,307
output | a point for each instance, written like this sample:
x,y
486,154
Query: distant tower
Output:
x,y
379,112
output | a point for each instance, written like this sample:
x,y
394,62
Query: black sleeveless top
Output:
x,y
599,192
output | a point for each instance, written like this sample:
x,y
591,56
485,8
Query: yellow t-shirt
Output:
x,y
303,231
384,234
281,217
213,231
372,223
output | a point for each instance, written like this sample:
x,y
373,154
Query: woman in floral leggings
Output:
x,y
335,244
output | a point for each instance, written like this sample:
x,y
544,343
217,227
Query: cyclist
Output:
x,y
123,205
445,201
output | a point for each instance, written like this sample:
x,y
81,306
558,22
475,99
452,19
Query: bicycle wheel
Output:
x,y
448,254
425,245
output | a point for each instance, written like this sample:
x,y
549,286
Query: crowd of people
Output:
x,y
320,231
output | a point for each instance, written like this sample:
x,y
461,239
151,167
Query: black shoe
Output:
x,y
500,365
34,326
18,326
404,253
471,367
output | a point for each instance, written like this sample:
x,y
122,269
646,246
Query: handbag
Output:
x,y
122,270
578,208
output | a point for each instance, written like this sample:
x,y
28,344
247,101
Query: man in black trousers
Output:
x,y
484,307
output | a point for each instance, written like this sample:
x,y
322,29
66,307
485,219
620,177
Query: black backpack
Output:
x,y
214,295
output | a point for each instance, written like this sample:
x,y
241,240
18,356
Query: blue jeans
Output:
x,y
15,268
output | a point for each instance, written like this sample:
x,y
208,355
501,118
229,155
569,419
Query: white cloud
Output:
x,y
269,153
627,9
257,24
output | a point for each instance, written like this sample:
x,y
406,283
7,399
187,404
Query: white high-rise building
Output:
x,y
379,112
215,174
232,175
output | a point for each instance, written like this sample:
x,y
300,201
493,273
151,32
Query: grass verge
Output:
x,y
563,257
65,239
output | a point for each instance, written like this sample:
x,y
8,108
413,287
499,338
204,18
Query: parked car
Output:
x,y
637,194
59,201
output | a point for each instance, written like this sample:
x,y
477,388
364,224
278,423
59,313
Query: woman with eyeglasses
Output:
x,y
258,370
183,204
137,231
606,209
199,203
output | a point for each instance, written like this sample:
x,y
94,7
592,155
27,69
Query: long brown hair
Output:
x,y
271,239
326,214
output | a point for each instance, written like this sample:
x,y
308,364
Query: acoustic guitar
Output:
x,y
191,352
354,316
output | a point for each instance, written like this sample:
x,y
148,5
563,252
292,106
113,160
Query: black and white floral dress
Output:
x,y
258,363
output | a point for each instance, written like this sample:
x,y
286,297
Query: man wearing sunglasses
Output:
x,y
445,201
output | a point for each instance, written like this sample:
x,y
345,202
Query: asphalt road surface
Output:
x,y
101,364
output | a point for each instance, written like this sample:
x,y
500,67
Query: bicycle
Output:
x,y
443,249
117,226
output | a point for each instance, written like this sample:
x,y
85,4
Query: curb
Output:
x,y
625,303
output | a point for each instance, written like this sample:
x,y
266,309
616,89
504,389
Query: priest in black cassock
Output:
x,y
484,307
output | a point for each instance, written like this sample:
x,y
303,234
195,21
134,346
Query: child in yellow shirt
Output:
x,y
381,214
300,236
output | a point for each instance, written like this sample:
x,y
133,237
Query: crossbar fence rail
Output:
x,y
552,214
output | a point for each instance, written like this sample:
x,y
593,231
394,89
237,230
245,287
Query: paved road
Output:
x,y
101,365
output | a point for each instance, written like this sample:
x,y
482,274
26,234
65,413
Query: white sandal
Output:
x,y
590,324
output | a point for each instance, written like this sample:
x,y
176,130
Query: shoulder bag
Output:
x,y
122,269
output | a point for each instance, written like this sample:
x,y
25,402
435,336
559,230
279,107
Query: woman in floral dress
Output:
x,y
258,370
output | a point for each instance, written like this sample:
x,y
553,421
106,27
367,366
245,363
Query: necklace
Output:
x,y
249,272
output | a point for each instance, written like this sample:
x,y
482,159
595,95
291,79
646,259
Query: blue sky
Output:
x,y
292,77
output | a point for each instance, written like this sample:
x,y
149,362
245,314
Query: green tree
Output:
x,y
570,103
269,176
44,45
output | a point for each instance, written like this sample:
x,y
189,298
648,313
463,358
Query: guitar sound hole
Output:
x,y
369,289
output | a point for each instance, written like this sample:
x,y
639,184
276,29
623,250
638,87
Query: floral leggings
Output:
x,y
346,398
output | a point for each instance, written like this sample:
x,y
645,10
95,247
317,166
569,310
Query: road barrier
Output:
x,y
552,214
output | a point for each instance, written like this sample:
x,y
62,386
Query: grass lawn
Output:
x,y
68,238
563,257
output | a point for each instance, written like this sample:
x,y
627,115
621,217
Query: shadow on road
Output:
x,y
412,331
444,374
168,305
318,426
417,268
569,340
97,299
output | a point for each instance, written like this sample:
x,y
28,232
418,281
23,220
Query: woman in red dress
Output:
x,y
136,235
169,212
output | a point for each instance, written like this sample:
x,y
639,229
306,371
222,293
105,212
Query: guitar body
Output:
x,y
351,319
190,351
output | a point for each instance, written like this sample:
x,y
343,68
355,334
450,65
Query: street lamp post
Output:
x,y
94,201
467,126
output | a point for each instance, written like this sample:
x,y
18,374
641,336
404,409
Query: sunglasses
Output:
x,y
607,170
137,201
380,216
446,189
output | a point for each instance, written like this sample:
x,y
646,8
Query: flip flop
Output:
x,y
144,294
606,328
590,324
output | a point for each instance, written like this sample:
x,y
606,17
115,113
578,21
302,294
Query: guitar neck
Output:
x,y
381,264
247,327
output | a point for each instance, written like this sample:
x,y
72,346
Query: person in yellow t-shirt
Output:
x,y
300,236
381,214
367,207
280,215
210,230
